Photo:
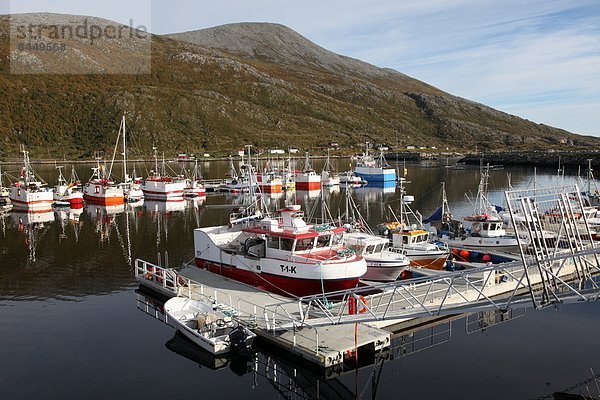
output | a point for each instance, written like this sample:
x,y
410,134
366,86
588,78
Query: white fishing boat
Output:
x,y
67,193
237,183
409,236
487,231
328,176
132,184
349,178
30,193
4,191
208,326
374,169
383,263
160,186
193,185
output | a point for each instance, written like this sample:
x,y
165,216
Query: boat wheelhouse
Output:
x,y
283,255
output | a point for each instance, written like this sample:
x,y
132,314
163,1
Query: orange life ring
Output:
x,y
363,309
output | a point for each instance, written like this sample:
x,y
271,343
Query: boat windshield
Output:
x,y
337,239
323,241
304,244
357,248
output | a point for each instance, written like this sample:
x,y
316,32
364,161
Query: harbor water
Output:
x,y
75,324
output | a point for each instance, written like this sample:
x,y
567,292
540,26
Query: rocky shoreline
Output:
x,y
536,158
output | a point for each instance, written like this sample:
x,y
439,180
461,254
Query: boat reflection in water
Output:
x,y
104,217
293,377
32,225
163,207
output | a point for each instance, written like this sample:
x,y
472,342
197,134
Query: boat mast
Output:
x,y
154,149
25,165
306,163
61,178
402,192
590,177
125,174
251,187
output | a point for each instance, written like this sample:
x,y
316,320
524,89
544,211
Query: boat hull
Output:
x,y
165,191
374,175
22,199
104,200
383,272
284,285
271,188
74,199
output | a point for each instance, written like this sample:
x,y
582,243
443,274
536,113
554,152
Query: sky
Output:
x,y
538,59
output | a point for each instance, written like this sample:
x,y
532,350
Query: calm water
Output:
x,y
73,325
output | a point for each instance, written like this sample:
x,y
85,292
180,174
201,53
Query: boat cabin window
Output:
x,y
323,241
486,227
273,242
337,239
358,248
370,249
304,244
286,244
404,239
379,248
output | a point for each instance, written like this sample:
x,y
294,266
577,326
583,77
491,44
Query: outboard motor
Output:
x,y
237,340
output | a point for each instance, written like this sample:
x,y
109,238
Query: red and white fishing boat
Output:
x,y
194,186
30,193
268,182
67,192
160,186
101,190
307,179
282,255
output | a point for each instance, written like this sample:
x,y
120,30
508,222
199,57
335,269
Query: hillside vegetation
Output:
x,y
220,88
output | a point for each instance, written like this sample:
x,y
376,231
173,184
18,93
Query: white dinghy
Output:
x,y
207,326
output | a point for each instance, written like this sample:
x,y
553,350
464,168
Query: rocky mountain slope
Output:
x,y
220,88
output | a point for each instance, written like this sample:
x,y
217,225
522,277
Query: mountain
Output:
x,y
217,89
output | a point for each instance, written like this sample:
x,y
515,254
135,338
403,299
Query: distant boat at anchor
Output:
x,y
30,193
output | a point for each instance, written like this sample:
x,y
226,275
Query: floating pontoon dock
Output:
x,y
321,329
